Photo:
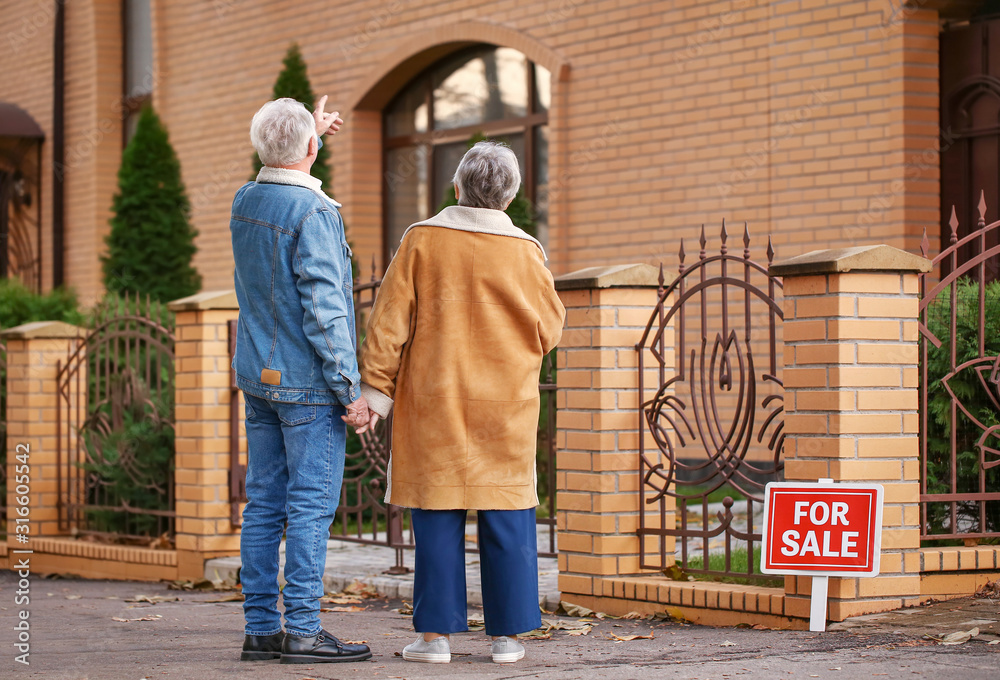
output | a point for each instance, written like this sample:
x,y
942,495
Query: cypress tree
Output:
x,y
151,242
293,82
519,210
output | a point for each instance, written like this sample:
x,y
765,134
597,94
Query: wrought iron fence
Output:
x,y
3,440
960,386
711,424
114,424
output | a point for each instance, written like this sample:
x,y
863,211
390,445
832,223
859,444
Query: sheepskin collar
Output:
x,y
479,220
295,178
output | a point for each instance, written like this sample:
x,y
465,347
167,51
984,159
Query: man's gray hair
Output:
x,y
487,176
280,132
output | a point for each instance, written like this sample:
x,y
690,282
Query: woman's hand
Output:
x,y
358,414
370,425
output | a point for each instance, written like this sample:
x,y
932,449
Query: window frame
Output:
x,y
526,125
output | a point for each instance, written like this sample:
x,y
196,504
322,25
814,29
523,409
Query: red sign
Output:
x,y
822,529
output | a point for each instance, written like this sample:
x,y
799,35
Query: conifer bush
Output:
x,y
151,242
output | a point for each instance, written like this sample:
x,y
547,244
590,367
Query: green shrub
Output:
x,y
151,242
971,392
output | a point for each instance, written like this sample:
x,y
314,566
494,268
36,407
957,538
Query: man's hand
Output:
x,y
370,425
326,123
357,413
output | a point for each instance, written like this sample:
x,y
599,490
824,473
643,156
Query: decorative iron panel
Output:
x,y
114,425
710,413
960,386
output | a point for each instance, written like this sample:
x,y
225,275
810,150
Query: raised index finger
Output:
x,y
321,104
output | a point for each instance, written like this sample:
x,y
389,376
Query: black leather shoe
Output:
x,y
321,648
262,647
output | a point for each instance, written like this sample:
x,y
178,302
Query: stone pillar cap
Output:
x,y
618,276
213,299
859,259
42,330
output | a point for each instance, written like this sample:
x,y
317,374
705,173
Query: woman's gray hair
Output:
x,y
487,176
280,132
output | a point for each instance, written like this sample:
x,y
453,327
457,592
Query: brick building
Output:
x,y
817,121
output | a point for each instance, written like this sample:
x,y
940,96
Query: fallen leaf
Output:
x,y
406,609
579,631
993,642
344,609
635,615
629,638
233,597
573,610
537,634
152,617
727,643
357,642
153,599
73,597
957,638
340,600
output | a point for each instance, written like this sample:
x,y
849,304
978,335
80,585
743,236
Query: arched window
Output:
x,y
495,91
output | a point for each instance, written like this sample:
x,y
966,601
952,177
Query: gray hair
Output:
x,y
280,132
487,176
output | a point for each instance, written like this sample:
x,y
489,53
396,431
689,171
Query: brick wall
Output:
x,y
810,119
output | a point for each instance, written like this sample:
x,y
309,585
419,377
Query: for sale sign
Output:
x,y
822,529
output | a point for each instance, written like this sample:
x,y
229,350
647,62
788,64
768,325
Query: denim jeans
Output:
x,y
295,467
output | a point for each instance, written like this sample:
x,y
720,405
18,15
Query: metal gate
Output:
x,y
714,411
114,424
960,385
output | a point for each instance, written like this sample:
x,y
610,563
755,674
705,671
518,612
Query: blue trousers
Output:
x,y
508,565
295,467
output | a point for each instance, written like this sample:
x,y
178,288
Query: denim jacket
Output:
x,y
296,339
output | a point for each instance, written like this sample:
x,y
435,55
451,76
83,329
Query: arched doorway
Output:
x,y
20,205
484,90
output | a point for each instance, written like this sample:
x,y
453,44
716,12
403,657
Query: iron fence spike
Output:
x,y
982,207
925,244
953,223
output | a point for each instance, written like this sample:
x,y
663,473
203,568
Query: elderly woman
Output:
x,y
464,316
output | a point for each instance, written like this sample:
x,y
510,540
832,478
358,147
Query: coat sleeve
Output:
x,y
389,330
551,314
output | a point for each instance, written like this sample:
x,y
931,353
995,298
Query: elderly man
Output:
x,y
296,364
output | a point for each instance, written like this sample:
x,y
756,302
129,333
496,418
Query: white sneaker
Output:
x,y
507,650
436,651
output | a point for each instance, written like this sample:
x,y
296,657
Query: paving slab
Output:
x,y
76,634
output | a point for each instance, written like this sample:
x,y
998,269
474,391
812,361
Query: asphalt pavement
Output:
x,y
90,630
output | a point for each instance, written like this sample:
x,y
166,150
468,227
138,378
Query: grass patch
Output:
x,y
737,564
716,496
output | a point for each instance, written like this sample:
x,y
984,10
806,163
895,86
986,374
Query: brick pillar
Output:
x,y
851,403
33,352
202,420
597,477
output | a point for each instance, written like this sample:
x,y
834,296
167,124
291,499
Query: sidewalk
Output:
x,y
347,562
120,630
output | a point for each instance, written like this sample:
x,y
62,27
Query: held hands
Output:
x,y
358,415
370,425
326,123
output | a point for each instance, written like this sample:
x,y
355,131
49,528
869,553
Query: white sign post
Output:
x,y
822,530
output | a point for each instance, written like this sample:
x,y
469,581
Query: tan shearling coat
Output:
x,y
463,318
